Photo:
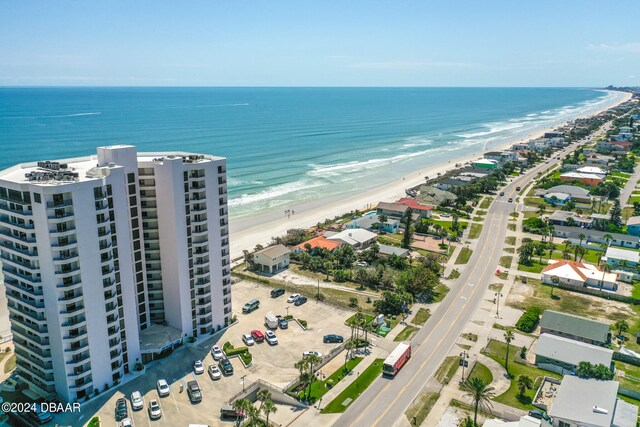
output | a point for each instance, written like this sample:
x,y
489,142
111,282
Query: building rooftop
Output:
x,y
274,252
389,250
413,204
623,254
392,207
354,236
574,325
573,270
585,401
575,231
573,190
571,351
157,338
320,242
634,220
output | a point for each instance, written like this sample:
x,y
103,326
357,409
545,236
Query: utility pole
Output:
x,y
498,295
463,361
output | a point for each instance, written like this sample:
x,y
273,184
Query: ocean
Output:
x,y
286,145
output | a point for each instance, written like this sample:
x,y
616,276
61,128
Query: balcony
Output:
x,y
64,242
22,238
7,208
34,327
6,258
71,284
75,334
36,360
72,309
66,271
74,321
76,348
62,231
15,285
71,299
20,332
78,359
5,219
59,204
23,252
60,214
33,303
32,279
65,257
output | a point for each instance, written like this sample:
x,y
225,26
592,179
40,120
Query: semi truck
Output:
x,y
396,360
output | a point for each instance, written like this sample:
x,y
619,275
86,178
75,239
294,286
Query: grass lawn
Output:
x,y
95,422
439,293
481,213
486,202
454,274
503,275
470,337
510,250
421,407
510,240
10,364
475,231
535,267
447,370
497,350
627,212
482,372
496,287
632,371
355,389
505,261
421,316
407,333
447,224
320,388
591,255
633,199
351,319
464,255
511,227
530,214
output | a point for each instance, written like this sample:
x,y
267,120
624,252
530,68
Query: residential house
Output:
x,y
575,327
449,183
373,222
586,178
621,146
603,146
625,129
554,135
391,209
557,199
272,259
560,354
416,207
596,236
485,164
633,226
501,156
386,250
319,242
473,172
357,238
520,146
591,403
578,194
595,170
577,274
570,218
432,196
622,137
625,263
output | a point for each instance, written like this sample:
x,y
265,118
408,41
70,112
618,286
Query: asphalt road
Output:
x,y
386,400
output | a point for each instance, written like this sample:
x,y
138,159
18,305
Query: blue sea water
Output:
x,y
285,145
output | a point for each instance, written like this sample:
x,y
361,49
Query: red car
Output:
x,y
257,335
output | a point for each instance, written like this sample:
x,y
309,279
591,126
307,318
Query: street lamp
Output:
x,y
498,295
287,311
242,378
463,361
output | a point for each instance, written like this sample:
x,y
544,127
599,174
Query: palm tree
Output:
x,y
269,408
581,237
508,337
312,361
383,219
622,326
480,395
524,383
556,281
551,229
241,407
542,208
263,396
605,269
566,244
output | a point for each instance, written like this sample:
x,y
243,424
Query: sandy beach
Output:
x,y
247,232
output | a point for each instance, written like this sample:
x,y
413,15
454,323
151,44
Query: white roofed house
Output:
x,y
358,238
272,259
623,262
580,275
560,354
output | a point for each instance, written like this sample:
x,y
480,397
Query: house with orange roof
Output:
x,y
416,206
580,275
317,243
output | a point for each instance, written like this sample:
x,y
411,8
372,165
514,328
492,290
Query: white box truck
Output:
x,y
270,320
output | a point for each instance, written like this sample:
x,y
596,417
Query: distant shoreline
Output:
x,y
247,232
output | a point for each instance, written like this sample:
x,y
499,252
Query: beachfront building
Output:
x,y
395,210
416,207
623,262
485,164
563,355
93,247
574,327
356,238
585,178
272,259
317,243
373,222
590,402
633,226
577,274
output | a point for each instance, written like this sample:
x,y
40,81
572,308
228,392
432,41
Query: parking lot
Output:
x,y
274,364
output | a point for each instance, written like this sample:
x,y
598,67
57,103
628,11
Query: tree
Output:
x,y
615,214
312,361
542,208
581,237
555,280
605,269
406,237
508,337
622,326
525,252
539,249
467,422
382,221
269,408
524,383
263,396
241,407
392,302
480,395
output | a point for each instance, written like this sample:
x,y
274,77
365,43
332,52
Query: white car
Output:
x,y
293,297
127,422
271,337
155,411
310,353
214,372
163,388
248,339
198,367
216,352
136,400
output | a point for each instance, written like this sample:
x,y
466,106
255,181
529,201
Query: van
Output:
x,y
275,293
228,411
250,306
193,389
271,320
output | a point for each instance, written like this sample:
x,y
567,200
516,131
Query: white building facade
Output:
x,y
82,243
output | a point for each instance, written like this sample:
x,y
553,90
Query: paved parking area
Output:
x,y
270,363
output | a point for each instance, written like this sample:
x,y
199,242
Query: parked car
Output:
x,y
216,352
198,367
257,335
248,339
225,366
518,188
136,400
121,409
502,193
155,411
275,293
271,337
510,200
312,353
301,300
293,297
127,423
194,392
283,323
163,388
361,264
332,338
252,305
228,411
214,372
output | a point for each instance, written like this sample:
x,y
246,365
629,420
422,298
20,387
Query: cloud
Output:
x,y
618,47
411,65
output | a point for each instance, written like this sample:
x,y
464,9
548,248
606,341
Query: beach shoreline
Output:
x,y
247,232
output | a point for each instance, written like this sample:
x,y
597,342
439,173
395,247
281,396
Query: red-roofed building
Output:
x,y
318,242
578,274
416,207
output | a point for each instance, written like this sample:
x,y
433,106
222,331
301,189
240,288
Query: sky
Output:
x,y
587,43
